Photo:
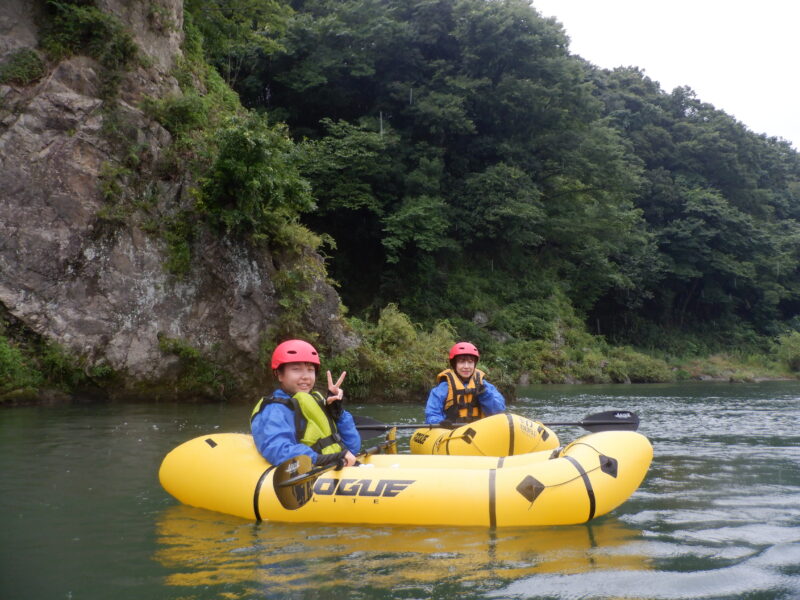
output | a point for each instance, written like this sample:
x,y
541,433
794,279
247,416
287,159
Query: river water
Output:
x,y
82,514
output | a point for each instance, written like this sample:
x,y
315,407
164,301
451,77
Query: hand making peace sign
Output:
x,y
334,390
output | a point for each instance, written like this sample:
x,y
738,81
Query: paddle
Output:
x,y
294,478
610,420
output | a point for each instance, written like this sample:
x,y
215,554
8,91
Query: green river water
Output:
x,y
82,514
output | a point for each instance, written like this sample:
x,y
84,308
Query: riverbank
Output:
x,y
397,360
721,367
717,368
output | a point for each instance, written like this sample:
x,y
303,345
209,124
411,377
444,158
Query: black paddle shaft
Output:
x,y
611,420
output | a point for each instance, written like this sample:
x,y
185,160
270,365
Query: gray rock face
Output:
x,y
156,26
97,285
17,29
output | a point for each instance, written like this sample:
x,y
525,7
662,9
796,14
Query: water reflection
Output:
x,y
203,548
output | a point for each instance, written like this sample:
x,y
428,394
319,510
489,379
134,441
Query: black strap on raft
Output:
x,y
257,493
510,420
492,498
588,484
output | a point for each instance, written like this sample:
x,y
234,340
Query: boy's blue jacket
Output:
x,y
491,401
277,440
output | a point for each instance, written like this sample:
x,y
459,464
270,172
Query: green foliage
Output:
x,y
353,168
201,374
722,203
465,166
494,148
73,27
254,187
22,67
734,367
249,186
236,32
179,233
295,284
180,114
503,146
397,360
625,365
355,175
502,206
193,117
69,372
112,182
572,356
159,17
28,368
17,375
417,226
553,346
787,349
206,103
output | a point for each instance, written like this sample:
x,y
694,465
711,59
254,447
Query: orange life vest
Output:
x,y
462,397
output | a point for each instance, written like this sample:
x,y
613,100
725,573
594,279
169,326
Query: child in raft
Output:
x,y
462,395
297,420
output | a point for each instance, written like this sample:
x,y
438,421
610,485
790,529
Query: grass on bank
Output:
x,y
30,370
398,360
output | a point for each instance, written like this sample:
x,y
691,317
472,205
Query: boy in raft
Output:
x,y
297,420
462,394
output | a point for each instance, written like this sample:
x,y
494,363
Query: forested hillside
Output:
x,y
465,163
464,176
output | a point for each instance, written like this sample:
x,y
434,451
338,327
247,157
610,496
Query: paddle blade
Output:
x,y
612,420
294,481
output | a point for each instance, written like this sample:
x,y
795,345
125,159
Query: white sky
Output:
x,y
739,55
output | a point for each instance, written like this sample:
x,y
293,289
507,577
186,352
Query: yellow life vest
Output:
x,y
462,398
319,431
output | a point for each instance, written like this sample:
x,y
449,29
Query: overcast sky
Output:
x,y
739,55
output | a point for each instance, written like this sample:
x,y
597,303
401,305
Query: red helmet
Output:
x,y
294,351
464,348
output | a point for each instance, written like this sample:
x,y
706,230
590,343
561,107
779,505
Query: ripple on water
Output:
x,y
736,581
754,534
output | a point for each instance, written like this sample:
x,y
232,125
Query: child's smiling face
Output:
x,y
297,377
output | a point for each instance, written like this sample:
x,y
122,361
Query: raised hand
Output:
x,y
334,389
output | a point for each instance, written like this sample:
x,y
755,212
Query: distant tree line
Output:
x,y
468,167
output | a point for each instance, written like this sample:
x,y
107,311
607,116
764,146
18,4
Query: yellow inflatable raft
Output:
x,y
498,435
588,478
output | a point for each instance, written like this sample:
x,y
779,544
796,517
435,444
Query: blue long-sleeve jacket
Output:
x,y
491,401
277,439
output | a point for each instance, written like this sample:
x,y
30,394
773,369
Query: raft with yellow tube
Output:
x,y
588,478
498,435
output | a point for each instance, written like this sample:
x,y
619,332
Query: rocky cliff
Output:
x,y
96,285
